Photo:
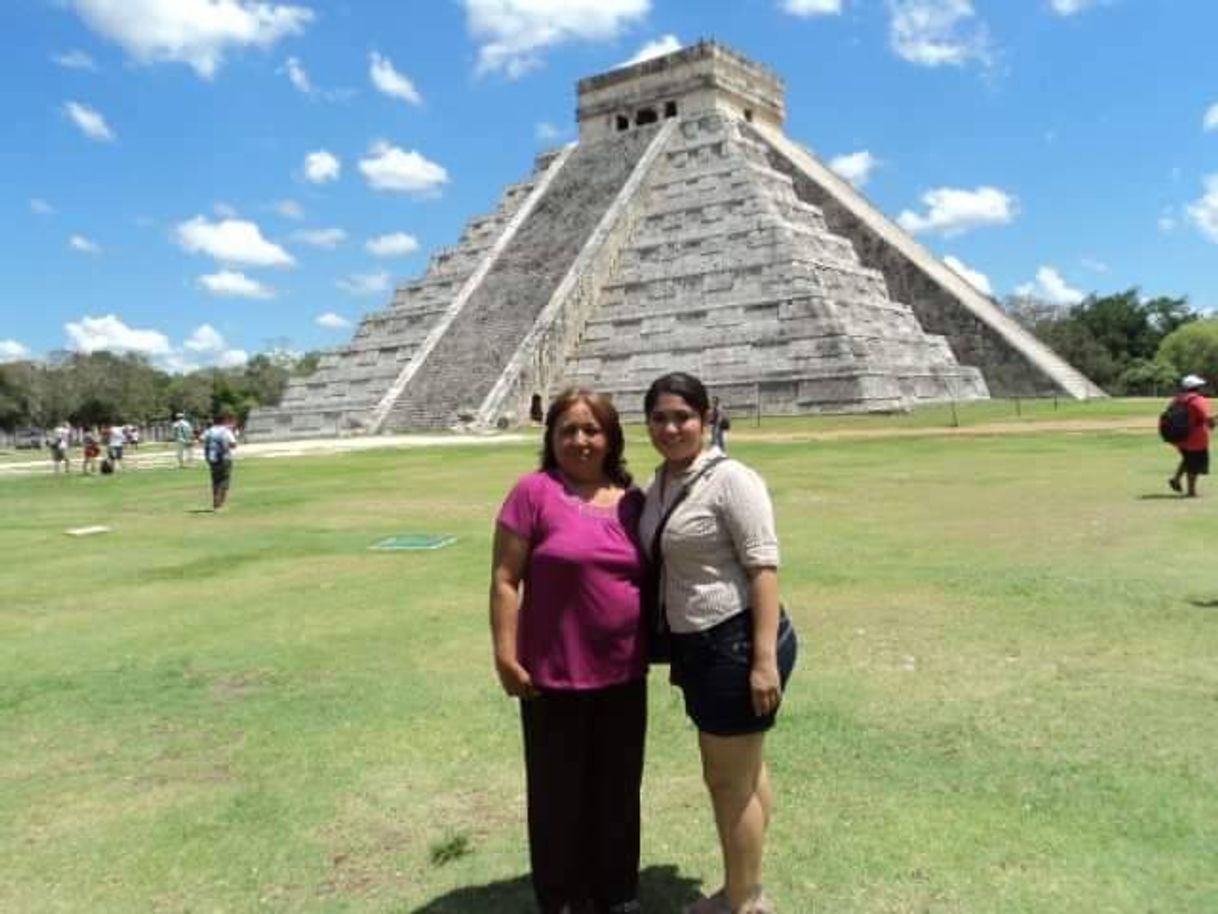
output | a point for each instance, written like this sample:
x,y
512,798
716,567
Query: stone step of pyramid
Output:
x,y
468,360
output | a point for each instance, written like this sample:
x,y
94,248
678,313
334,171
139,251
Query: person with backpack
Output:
x,y
1186,423
219,442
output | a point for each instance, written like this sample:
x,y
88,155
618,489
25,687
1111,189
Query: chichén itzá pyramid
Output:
x,y
683,231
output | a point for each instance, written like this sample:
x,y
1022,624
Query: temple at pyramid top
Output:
x,y
702,78
683,231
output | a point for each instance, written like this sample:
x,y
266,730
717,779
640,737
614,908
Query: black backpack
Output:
x,y
1176,423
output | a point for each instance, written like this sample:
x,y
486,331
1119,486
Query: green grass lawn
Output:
x,y
1007,697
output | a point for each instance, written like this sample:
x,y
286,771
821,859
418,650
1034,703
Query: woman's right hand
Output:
x,y
514,678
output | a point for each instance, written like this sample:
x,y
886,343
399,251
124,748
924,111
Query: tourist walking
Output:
x,y
1195,447
116,440
90,452
184,440
219,442
61,444
571,649
719,422
708,525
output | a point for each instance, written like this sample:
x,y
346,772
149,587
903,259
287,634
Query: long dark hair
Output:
x,y
682,385
605,413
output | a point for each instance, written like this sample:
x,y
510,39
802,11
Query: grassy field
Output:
x,y
1007,698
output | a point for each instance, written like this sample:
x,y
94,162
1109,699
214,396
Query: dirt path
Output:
x,y
164,459
984,429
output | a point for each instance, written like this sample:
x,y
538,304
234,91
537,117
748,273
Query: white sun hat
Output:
x,y
1192,382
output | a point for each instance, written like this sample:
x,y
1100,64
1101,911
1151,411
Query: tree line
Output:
x,y
100,388
1127,344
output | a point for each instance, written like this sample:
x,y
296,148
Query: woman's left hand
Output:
x,y
766,687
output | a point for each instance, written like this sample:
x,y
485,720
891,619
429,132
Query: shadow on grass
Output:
x,y
1204,604
662,890
1159,496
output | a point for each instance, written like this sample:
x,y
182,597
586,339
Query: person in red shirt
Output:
x,y
1195,449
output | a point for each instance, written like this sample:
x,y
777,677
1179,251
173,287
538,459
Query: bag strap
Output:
x,y
657,553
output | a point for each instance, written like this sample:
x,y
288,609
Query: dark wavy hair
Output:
x,y
682,385
605,413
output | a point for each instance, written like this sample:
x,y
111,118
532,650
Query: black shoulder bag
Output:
x,y
655,614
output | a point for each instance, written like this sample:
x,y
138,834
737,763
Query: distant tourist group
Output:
x,y
218,442
593,579
116,439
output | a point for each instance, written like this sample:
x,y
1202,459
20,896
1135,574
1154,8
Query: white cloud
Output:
x,y
954,210
1049,286
194,32
812,7
547,132
208,344
1070,7
394,169
975,278
657,48
322,166
513,33
75,60
1095,266
232,284
365,283
1210,121
298,75
91,122
84,245
1204,211
205,338
233,358
320,238
95,334
231,241
12,351
934,33
289,209
40,207
855,167
332,321
390,81
398,244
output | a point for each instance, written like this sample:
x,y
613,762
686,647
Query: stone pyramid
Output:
x,y
683,231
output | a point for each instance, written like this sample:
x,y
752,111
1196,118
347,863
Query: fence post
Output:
x,y
757,399
1018,408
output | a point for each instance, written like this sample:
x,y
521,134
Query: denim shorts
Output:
x,y
712,668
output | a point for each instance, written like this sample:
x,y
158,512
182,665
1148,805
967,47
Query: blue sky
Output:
x,y
199,180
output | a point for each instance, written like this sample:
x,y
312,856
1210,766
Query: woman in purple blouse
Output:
x,y
568,639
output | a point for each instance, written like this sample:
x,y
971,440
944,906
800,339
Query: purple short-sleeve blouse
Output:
x,y
580,622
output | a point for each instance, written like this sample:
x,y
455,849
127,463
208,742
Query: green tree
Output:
x,y
1192,349
1111,338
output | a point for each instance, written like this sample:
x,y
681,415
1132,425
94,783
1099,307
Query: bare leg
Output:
x,y
1191,489
735,775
